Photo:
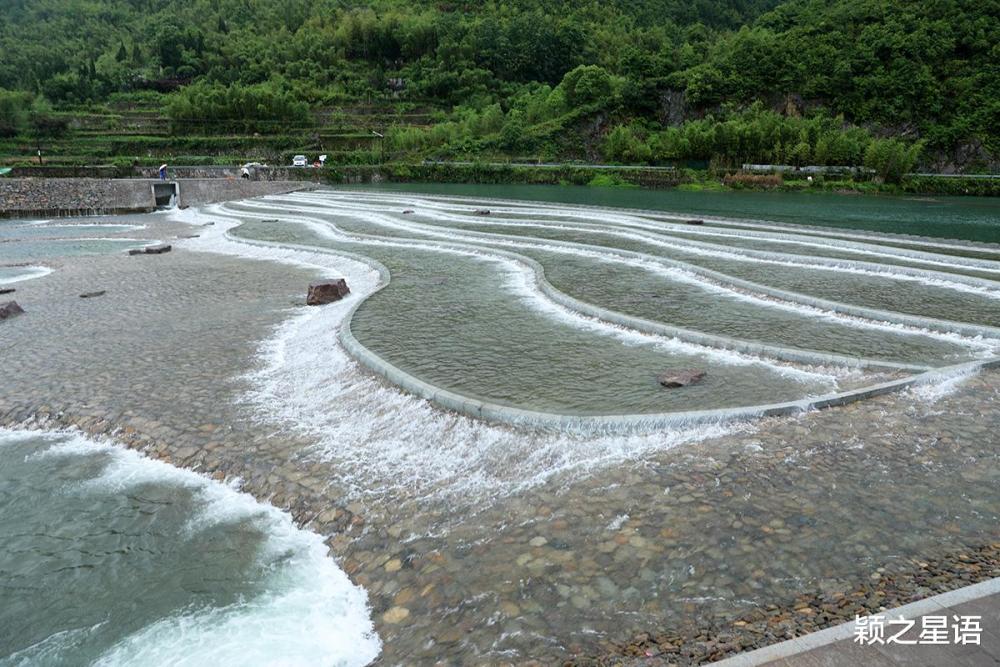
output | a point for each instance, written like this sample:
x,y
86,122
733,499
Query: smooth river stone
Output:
x,y
10,309
680,377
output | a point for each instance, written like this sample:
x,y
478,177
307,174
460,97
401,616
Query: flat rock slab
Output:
x,y
681,377
327,291
10,309
90,295
157,249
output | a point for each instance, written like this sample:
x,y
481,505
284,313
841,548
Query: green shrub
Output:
x,y
622,144
610,181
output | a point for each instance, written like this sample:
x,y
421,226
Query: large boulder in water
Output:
x,y
327,291
10,309
680,377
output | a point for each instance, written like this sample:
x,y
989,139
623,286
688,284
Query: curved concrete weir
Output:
x,y
840,333
470,321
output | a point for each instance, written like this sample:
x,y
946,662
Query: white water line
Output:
x,y
794,355
865,312
391,445
690,274
541,303
34,272
660,235
791,230
959,283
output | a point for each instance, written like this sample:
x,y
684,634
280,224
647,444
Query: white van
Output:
x,y
300,161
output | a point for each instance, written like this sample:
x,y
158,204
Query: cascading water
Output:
x,y
481,327
467,532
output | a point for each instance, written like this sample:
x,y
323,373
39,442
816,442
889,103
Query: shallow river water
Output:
x,y
472,541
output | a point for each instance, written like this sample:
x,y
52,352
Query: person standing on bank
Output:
x,y
163,171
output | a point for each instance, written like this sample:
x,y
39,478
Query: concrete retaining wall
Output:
x,y
65,197
195,192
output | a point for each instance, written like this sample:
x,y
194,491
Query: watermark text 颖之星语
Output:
x,y
933,630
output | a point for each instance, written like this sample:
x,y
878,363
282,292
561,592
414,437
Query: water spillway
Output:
x,y
573,312
165,194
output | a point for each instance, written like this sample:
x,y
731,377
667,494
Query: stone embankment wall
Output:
x,y
259,173
195,192
60,197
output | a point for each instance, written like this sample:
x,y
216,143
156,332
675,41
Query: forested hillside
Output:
x,y
650,81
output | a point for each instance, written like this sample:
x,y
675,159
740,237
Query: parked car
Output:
x,y
300,161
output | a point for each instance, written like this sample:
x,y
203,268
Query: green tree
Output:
x,y
512,133
13,112
891,159
624,145
800,154
587,84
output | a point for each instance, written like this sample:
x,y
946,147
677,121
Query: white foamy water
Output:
x,y
867,244
387,442
523,283
664,269
969,285
935,386
306,613
17,274
520,284
394,440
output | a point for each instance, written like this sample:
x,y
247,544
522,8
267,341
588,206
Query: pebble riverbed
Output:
x,y
681,555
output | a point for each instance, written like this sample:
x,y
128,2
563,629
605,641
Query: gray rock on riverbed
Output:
x,y
10,309
327,291
681,377
157,249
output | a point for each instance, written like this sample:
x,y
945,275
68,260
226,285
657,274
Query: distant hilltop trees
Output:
x,y
564,76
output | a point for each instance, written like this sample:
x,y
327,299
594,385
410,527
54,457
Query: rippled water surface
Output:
x,y
969,218
469,307
27,250
53,230
476,541
112,559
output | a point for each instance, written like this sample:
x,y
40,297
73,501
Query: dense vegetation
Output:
x,y
882,83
